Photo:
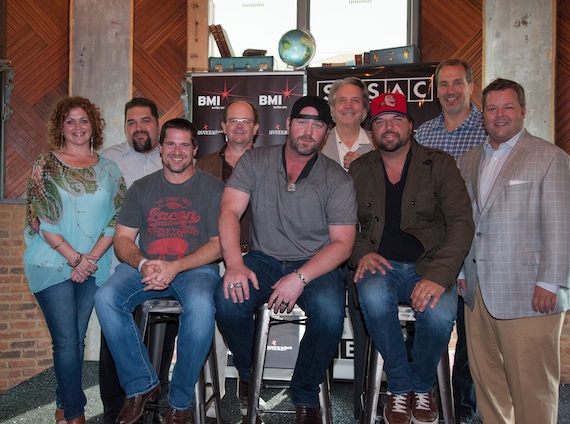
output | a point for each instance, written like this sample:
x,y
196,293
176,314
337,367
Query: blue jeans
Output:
x,y
379,296
323,303
67,307
117,299
463,388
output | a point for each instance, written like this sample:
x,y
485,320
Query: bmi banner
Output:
x,y
415,81
273,93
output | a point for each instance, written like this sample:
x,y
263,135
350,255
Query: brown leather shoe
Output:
x,y
177,416
134,407
59,417
78,420
306,415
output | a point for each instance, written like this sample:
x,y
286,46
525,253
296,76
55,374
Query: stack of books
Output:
x,y
222,41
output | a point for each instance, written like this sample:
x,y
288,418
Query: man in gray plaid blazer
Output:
x,y
517,271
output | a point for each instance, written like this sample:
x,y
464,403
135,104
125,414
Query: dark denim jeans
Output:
x,y
463,388
67,307
118,298
379,296
323,303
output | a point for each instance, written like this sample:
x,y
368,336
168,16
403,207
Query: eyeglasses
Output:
x,y
244,121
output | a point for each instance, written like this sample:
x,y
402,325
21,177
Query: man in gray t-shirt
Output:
x,y
175,211
303,221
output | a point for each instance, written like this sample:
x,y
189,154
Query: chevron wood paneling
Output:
x,y
38,46
454,30
159,56
562,123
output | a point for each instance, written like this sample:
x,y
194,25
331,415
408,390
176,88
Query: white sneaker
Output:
x,y
262,407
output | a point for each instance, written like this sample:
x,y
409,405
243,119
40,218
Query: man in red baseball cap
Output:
x,y
415,229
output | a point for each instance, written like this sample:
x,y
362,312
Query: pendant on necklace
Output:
x,y
291,187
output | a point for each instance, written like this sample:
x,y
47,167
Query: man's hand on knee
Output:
x,y
372,262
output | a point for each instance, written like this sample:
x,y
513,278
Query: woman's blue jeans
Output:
x,y
323,302
67,307
379,296
117,299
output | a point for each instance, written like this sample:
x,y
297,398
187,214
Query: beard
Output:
x,y
392,145
301,148
142,145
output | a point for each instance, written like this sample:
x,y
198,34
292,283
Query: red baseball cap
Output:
x,y
388,103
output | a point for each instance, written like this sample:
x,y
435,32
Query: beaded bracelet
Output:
x,y
77,262
301,277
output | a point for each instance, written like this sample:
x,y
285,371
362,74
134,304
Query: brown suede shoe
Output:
x,y
78,420
134,407
177,416
306,415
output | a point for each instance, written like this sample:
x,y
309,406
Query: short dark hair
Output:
x,y
142,102
246,101
179,124
501,84
455,62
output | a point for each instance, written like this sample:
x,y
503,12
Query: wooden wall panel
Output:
x,y
562,119
38,48
159,56
454,30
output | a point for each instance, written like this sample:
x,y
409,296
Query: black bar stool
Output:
x,y
264,319
151,317
369,409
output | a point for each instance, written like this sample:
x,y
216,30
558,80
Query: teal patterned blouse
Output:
x,y
81,204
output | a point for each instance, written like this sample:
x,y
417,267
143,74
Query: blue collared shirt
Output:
x,y
493,161
466,136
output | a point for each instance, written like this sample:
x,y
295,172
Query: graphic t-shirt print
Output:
x,y
172,228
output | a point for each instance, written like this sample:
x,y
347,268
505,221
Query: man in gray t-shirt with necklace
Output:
x,y
303,216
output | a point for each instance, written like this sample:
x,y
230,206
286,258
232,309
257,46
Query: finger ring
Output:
x,y
231,286
89,272
237,285
285,303
429,295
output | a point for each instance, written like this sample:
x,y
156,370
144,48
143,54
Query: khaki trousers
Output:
x,y
515,365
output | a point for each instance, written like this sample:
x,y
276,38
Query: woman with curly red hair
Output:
x,y
73,199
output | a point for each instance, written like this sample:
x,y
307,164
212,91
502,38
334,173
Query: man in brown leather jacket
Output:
x,y
415,228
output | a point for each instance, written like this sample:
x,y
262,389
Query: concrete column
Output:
x,y
101,63
101,58
519,43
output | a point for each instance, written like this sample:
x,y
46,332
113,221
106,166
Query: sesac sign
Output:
x,y
414,81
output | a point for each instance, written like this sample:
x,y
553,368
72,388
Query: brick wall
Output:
x,y
25,345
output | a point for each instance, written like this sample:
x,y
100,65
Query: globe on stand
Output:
x,y
297,48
